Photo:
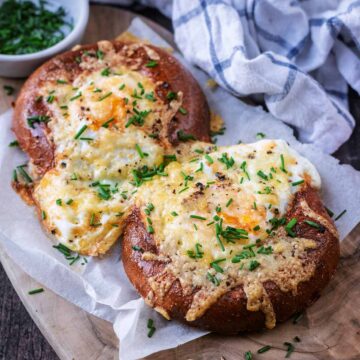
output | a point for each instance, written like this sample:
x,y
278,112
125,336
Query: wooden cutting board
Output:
x,y
330,329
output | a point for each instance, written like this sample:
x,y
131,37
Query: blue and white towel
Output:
x,y
299,56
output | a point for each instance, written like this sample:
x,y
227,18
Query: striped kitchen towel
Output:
x,y
298,56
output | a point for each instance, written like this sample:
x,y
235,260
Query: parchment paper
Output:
x,y
101,287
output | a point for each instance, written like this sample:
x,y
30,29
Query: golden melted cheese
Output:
x,y
214,213
211,195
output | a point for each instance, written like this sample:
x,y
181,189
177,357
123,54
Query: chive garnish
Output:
x,y
243,168
43,215
140,152
99,54
121,87
184,189
290,349
297,182
213,279
256,228
289,227
215,265
260,135
105,72
151,64
14,176
253,265
24,174
37,119
137,248
105,96
76,96
197,217
331,213
36,291
262,175
229,202
9,90
340,215
313,224
59,81
59,202
171,95
248,355
151,327
107,123
150,229
174,213
209,159
182,136
182,110
264,349
14,143
69,202
80,132
282,167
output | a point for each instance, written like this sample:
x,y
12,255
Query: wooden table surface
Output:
x,y
19,336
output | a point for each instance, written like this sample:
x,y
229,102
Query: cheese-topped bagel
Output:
x,y
229,234
95,122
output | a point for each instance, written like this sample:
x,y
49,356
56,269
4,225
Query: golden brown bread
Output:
x,y
229,314
169,75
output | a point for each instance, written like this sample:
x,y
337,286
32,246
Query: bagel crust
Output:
x,y
92,121
249,299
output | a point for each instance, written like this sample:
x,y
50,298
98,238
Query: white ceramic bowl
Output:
x,y
23,65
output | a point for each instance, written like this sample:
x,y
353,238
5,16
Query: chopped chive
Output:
x,y
298,182
260,135
182,110
105,72
289,227
254,205
215,265
99,54
213,279
14,177
43,215
313,224
171,95
35,291
174,213
58,202
140,152
9,90
150,229
264,349
107,123
229,202
151,64
331,213
297,317
340,215
209,159
262,175
76,96
256,228
201,168
59,81
69,202
24,174
105,96
290,349
122,87
253,265
282,167
197,217
182,136
14,143
297,339
137,248
80,132
184,189
248,355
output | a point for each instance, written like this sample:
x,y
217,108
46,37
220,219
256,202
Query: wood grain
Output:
x,y
330,329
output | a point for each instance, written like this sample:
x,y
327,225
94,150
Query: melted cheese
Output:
x,y
213,209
